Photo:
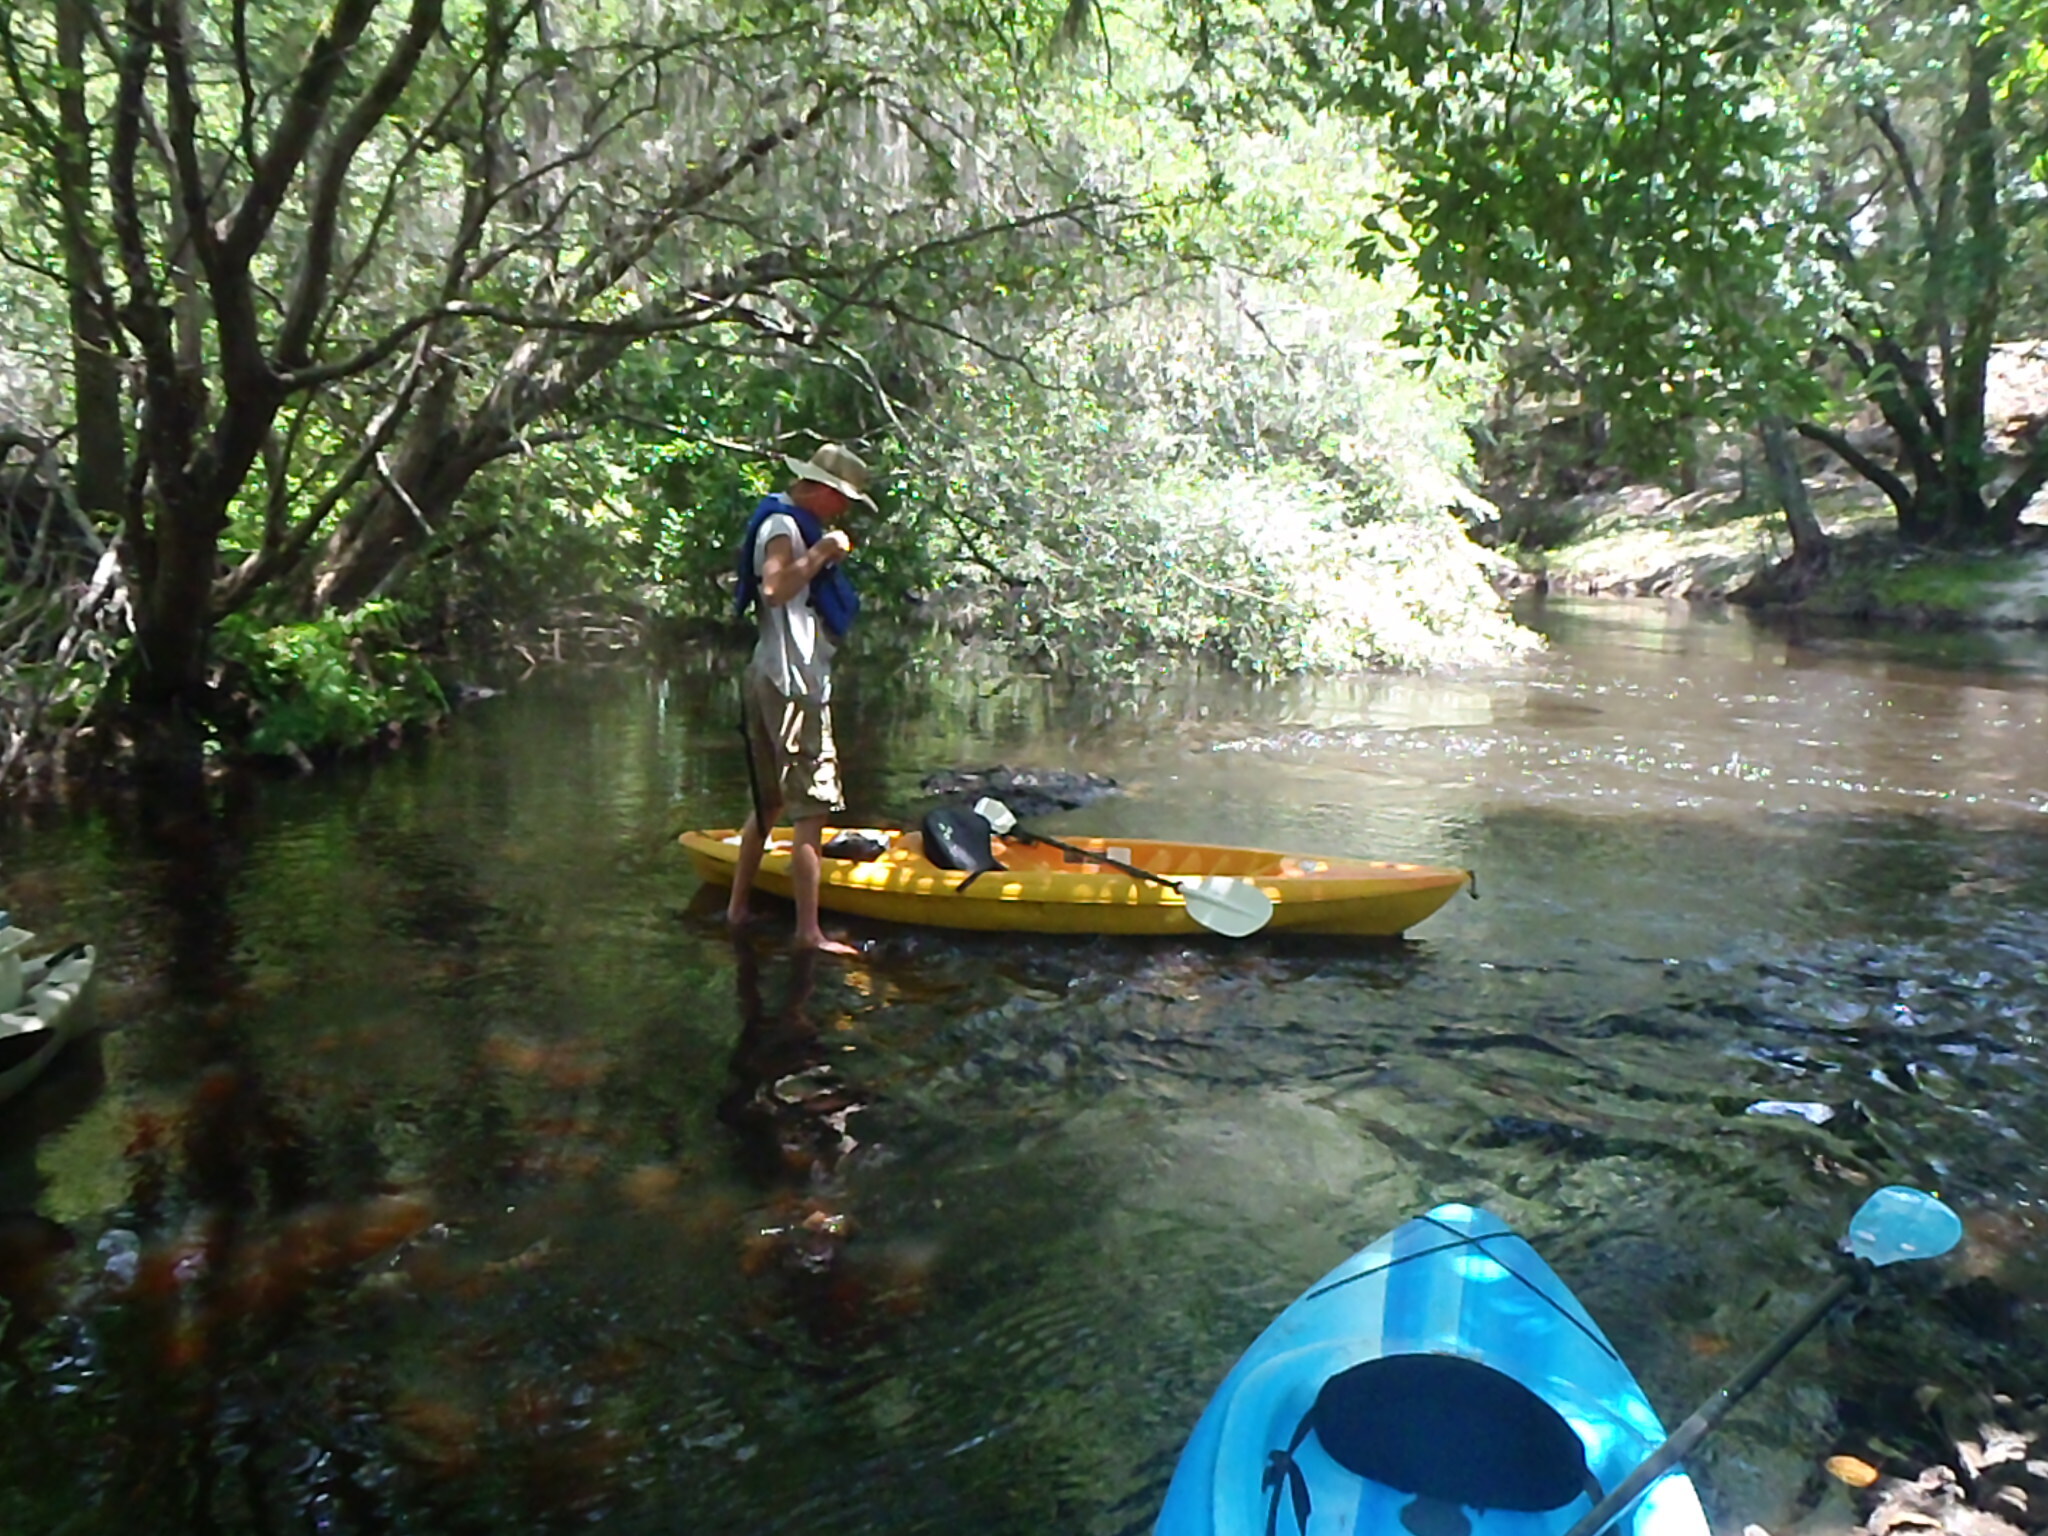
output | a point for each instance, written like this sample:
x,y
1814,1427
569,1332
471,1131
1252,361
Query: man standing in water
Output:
x,y
790,574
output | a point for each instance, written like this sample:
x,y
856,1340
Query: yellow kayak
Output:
x,y
1046,889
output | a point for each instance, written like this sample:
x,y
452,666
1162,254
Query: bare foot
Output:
x,y
825,946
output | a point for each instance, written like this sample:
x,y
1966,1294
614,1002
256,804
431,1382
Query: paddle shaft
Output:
x,y
1020,835
753,773
1233,908
1714,1409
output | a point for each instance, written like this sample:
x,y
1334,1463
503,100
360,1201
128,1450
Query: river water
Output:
x,y
444,1166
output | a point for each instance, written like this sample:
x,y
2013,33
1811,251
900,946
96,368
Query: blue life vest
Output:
x,y
832,591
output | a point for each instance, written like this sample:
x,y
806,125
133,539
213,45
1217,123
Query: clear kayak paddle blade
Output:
x,y
1899,1223
995,813
1227,906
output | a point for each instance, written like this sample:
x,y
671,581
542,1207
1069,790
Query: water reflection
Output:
x,y
31,1246
792,1114
444,1174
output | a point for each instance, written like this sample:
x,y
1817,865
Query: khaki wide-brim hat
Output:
x,y
837,466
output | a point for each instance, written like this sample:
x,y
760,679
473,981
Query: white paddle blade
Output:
x,y
995,813
1899,1223
1226,905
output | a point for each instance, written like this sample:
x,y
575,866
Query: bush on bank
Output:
x,y
330,684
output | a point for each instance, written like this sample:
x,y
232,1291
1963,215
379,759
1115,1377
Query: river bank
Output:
x,y
1711,545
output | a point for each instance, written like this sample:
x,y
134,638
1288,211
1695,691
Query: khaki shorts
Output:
x,y
790,741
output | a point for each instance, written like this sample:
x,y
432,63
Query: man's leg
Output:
x,y
753,841
805,873
816,768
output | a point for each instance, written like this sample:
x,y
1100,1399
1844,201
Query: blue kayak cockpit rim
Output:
x,y
1408,1421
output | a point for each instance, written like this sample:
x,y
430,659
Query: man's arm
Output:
x,y
785,573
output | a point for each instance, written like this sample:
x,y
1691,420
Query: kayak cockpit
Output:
x,y
1455,1433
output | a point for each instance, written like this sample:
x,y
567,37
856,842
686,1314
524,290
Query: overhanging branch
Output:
x,y
1880,118
1899,493
625,254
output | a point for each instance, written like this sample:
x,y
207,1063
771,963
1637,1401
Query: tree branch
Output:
x,y
493,198
1880,118
396,189
240,584
369,110
707,304
39,130
144,316
278,467
183,130
1899,493
238,42
623,255
1914,384
2013,500
304,111
169,417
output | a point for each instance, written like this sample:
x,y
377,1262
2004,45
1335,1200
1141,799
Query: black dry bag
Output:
x,y
959,839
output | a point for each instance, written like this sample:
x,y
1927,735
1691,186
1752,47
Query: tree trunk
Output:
x,y
174,609
1811,552
379,528
1939,421
100,475
443,453
1977,281
401,514
1906,401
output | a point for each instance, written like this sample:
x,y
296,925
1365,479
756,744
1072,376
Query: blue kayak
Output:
x,y
1441,1381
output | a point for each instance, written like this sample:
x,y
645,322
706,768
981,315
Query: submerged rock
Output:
x,y
1026,791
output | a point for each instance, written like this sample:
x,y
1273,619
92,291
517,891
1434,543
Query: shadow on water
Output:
x,y
446,1169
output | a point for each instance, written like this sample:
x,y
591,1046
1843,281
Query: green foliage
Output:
x,y
1217,453
1632,186
1937,587
1263,572
531,328
713,444
1200,446
1676,213
1231,468
334,682
421,265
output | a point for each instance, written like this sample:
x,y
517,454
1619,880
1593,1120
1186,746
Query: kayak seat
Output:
x,y
859,847
1448,1430
960,839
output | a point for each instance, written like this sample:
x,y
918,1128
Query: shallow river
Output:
x,y
444,1167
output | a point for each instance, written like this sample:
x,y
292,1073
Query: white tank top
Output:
x,y
795,648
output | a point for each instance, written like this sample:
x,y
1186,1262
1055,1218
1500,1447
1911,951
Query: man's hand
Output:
x,y
833,546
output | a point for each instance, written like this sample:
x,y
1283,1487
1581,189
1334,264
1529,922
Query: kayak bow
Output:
x,y
1442,1380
